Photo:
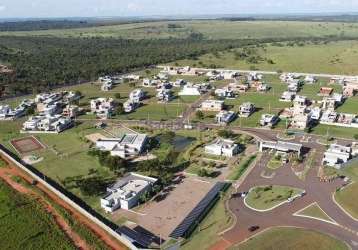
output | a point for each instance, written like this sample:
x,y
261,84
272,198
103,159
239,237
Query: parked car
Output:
x,y
253,228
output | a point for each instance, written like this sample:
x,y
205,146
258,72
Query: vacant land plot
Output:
x,y
212,29
162,216
267,197
331,58
344,198
27,144
293,239
24,224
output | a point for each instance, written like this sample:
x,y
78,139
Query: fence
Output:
x,y
69,198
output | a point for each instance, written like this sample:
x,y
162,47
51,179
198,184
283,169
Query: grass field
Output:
x,y
217,220
211,29
344,198
315,211
24,224
293,239
266,197
331,58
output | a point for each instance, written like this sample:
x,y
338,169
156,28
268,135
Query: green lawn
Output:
x,y
337,132
345,198
274,163
211,29
24,223
349,106
332,58
266,197
238,171
293,239
315,211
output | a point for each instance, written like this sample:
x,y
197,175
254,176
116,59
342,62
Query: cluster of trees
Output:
x,y
41,63
44,25
114,163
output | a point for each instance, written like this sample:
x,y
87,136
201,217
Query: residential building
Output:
x,y
129,106
269,120
222,147
329,116
165,95
350,89
329,103
129,145
102,107
300,121
310,79
325,91
212,105
46,123
287,96
107,86
246,109
179,83
137,95
300,100
126,192
315,114
189,91
336,155
225,93
225,117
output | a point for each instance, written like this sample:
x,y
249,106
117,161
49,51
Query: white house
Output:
x,y
179,83
102,107
287,96
336,155
222,147
246,109
190,91
225,117
126,192
315,113
300,100
136,95
129,106
44,123
107,86
212,105
310,79
165,95
129,145
225,93
269,120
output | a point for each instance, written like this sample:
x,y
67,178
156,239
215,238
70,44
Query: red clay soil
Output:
x,y
6,173
101,233
222,244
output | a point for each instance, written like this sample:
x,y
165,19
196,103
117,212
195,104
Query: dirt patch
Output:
x,y
95,137
27,144
162,216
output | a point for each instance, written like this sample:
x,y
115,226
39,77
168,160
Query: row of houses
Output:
x,y
337,155
7,113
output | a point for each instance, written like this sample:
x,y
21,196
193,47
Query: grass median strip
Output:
x,y
314,211
238,171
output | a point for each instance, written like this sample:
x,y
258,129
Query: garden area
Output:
x,y
267,197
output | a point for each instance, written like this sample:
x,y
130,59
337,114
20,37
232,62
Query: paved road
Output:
x,y
282,216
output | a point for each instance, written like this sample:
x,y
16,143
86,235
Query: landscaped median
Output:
x,y
345,198
266,198
314,211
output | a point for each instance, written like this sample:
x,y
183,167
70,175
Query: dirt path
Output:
x,y
6,173
101,233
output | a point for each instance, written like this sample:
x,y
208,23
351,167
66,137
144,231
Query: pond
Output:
x,y
179,142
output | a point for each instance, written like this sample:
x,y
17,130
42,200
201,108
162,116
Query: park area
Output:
x,y
293,239
268,197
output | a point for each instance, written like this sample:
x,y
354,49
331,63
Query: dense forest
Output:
x,y
44,25
40,63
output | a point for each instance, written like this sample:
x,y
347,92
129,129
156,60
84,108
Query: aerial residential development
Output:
x,y
199,131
